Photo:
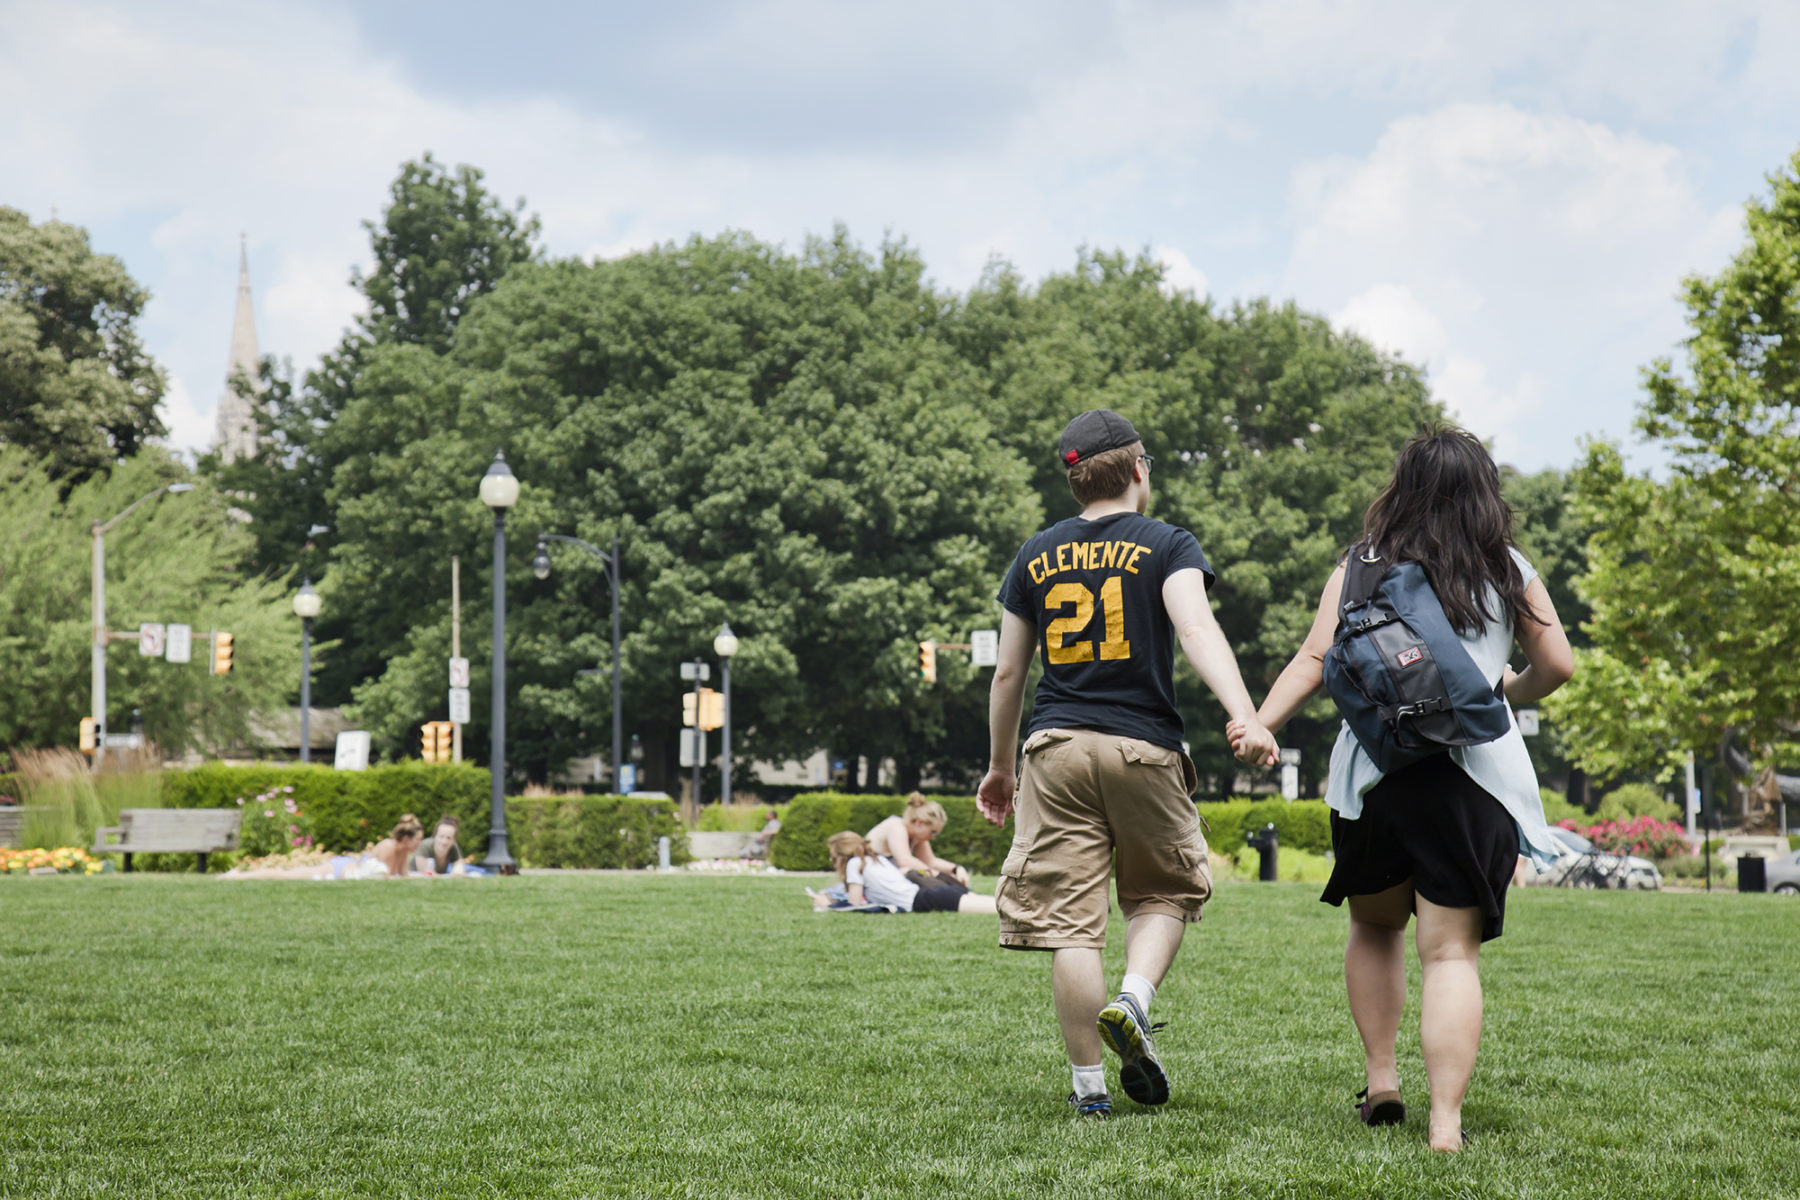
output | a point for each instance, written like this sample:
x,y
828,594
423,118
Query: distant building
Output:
x,y
236,432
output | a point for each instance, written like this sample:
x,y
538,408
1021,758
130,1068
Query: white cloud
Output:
x,y
1180,274
1530,261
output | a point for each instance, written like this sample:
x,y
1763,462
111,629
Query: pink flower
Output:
x,y
289,789
299,841
240,802
268,812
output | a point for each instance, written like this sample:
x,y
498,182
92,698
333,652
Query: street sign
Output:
x,y
696,670
1290,781
1528,721
352,750
693,746
1290,756
124,741
150,640
459,676
627,778
459,705
180,646
984,647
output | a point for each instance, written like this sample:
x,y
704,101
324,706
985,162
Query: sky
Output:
x,y
1507,195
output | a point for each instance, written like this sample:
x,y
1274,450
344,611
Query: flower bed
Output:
x,y
64,860
1646,836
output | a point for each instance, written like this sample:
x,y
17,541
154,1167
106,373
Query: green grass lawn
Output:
x,y
643,1036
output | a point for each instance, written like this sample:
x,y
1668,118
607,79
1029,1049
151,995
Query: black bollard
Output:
x,y
1264,841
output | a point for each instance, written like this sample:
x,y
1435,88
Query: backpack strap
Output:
x,y
1362,578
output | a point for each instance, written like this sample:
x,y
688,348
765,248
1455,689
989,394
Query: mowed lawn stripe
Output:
x,y
687,1036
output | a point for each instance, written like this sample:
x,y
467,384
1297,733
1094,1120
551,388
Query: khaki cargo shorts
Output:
x,y
1089,802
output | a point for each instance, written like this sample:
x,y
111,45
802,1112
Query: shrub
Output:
x,y
348,809
1646,836
1300,824
737,818
593,831
1635,800
1557,808
273,823
968,839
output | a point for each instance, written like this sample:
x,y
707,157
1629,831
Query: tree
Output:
x,y
1553,537
77,388
175,563
1692,579
781,441
444,241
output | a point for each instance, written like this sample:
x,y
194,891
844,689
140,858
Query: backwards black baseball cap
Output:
x,y
1095,432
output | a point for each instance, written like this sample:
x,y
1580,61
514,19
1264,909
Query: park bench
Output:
x,y
12,825
170,831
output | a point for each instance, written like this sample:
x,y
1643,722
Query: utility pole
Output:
x,y
456,640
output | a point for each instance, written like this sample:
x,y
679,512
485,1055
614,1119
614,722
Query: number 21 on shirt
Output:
x,y
1057,647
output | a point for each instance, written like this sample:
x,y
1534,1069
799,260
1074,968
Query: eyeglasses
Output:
x,y
1149,461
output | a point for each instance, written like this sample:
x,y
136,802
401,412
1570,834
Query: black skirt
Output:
x,y
1432,824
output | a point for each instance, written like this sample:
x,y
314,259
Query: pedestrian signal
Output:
x,y
89,731
928,661
689,702
436,739
221,658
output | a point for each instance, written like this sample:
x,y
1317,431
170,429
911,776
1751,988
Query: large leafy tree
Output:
x,y
780,441
77,388
1692,578
442,243
176,562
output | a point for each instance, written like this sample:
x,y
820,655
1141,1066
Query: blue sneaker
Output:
x,y
1098,1105
1126,1030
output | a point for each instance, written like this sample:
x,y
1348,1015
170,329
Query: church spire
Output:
x,y
236,435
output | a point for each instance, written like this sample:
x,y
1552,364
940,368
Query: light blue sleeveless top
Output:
x,y
1502,767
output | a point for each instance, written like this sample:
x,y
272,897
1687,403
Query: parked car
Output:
x,y
1581,865
1784,874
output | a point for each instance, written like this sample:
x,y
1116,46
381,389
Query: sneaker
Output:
x,y
1098,1105
1125,1028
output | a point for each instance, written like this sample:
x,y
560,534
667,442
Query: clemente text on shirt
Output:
x,y
1087,556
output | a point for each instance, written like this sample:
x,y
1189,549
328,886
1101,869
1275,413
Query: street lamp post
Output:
x,y
306,607
499,491
98,652
725,645
540,566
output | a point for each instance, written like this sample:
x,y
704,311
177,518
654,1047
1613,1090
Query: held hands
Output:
x,y
1252,743
995,796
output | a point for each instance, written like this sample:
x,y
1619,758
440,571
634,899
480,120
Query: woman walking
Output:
x,y
1438,838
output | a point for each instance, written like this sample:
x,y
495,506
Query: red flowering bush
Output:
x,y
1647,837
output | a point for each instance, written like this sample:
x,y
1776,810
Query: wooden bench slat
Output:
x,y
171,831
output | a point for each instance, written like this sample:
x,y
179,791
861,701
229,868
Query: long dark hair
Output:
x,y
1443,509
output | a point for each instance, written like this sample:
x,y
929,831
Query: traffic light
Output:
x,y
712,708
435,741
221,657
928,661
89,729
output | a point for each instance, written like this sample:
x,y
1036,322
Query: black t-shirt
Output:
x,y
1093,589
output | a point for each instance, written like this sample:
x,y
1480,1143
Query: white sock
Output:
x,y
1088,1081
1139,989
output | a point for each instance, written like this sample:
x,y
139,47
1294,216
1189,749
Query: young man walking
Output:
x,y
1107,595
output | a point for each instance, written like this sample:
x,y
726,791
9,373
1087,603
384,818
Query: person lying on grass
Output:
x,y
441,856
906,839
387,858
870,879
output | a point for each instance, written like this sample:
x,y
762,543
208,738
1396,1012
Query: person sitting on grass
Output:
x,y
441,855
870,879
906,840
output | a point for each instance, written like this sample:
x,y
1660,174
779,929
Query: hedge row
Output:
x,y
969,838
349,809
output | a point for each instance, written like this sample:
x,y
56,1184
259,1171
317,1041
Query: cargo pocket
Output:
x,y
1043,739
1197,870
1009,892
